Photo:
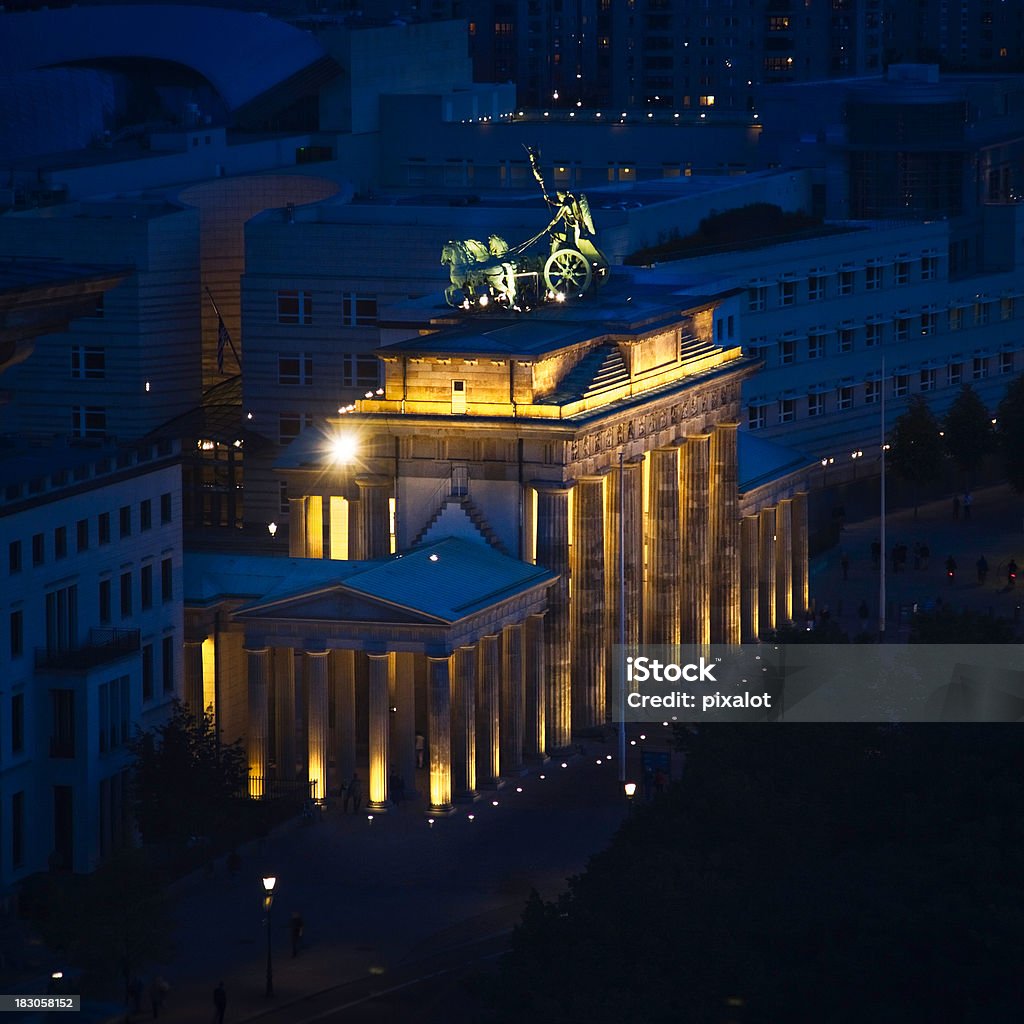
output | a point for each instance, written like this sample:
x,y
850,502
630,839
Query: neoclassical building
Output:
x,y
567,442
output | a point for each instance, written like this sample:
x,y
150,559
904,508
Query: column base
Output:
x,y
444,811
381,807
469,796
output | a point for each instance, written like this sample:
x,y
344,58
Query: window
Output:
x,y
113,714
358,310
872,392
757,297
62,723
927,380
18,830
778,23
787,352
289,426
787,293
956,318
815,405
757,416
846,282
873,277
166,580
815,288
146,514
167,663
901,385
845,398
816,346
902,329
147,672
283,507
88,363
1006,362
105,610
38,549
362,371
956,373
60,542
165,508
787,410
103,524
846,339
14,557
126,594
1006,309
18,723
17,633
125,523
294,307
83,534
981,313
979,370
88,421
928,323
929,267
146,586
872,335
902,272
295,369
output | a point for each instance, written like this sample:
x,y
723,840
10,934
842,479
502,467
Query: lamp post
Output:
x,y
269,881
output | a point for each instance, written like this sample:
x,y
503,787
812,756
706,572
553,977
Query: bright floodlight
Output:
x,y
630,788
343,448
269,882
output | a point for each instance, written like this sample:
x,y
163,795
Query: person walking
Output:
x,y
982,565
1011,574
353,794
220,1003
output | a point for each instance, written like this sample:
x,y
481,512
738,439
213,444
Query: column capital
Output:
x,y
256,648
700,435
375,655
316,654
728,425
439,658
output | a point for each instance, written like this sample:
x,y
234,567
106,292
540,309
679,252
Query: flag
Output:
x,y
223,338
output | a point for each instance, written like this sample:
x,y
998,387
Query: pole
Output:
x,y
881,577
622,618
220,321
270,965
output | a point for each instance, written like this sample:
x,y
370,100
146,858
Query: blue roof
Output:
x,y
761,461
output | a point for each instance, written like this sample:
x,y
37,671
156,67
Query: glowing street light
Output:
x,y
269,882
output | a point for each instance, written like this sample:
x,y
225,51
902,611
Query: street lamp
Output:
x,y
269,881
630,790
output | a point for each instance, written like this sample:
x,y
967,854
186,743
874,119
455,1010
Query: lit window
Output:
x,y
707,101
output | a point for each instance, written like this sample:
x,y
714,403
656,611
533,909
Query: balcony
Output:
x,y
102,647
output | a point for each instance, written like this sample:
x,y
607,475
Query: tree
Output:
x,y
916,450
968,430
1010,433
185,783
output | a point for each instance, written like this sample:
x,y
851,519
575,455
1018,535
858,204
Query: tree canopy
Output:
x,y
968,430
916,449
1010,427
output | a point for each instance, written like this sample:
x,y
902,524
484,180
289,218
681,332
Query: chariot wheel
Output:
x,y
567,271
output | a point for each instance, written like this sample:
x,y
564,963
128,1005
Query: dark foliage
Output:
x,y
916,452
1010,426
968,431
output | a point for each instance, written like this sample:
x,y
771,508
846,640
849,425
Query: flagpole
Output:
x,y
220,323
881,578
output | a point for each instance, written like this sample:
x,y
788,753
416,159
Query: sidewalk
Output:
x,y
995,530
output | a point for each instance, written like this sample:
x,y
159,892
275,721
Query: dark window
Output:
x,y
17,723
88,421
360,371
83,534
294,307
88,363
165,508
295,369
147,672
167,667
126,594
18,829
104,527
166,580
60,542
126,520
358,310
17,633
14,556
105,601
38,549
146,586
62,729
145,514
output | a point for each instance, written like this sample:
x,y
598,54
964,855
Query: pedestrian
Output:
x,y
967,506
296,926
956,506
158,989
862,614
876,553
844,561
353,794
982,565
1011,573
396,788
220,1003
421,749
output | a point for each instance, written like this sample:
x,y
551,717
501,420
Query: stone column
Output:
x,y
696,595
801,595
553,554
345,714
379,727
314,526
488,717
194,678
374,492
297,527
439,729
663,548
766,569
316,719
749,593
284,712
633,511
784,562
589,639
725,536
256,740
512,700
535,705
464,723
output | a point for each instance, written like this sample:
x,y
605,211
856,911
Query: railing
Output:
x,y
104,645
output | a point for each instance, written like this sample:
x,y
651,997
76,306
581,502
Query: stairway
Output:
x,y
597,371
472,513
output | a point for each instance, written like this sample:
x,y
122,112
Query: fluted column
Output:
x,y
725,536
624,515
194,678
284,712
534,731
345,713
766,569
316,722
488,714
439,727
512,700
464,723
750,530
553,554
374,492
696,597
784,562
664,549
314,526
801,595
297,527
256,739
379,715
589,637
